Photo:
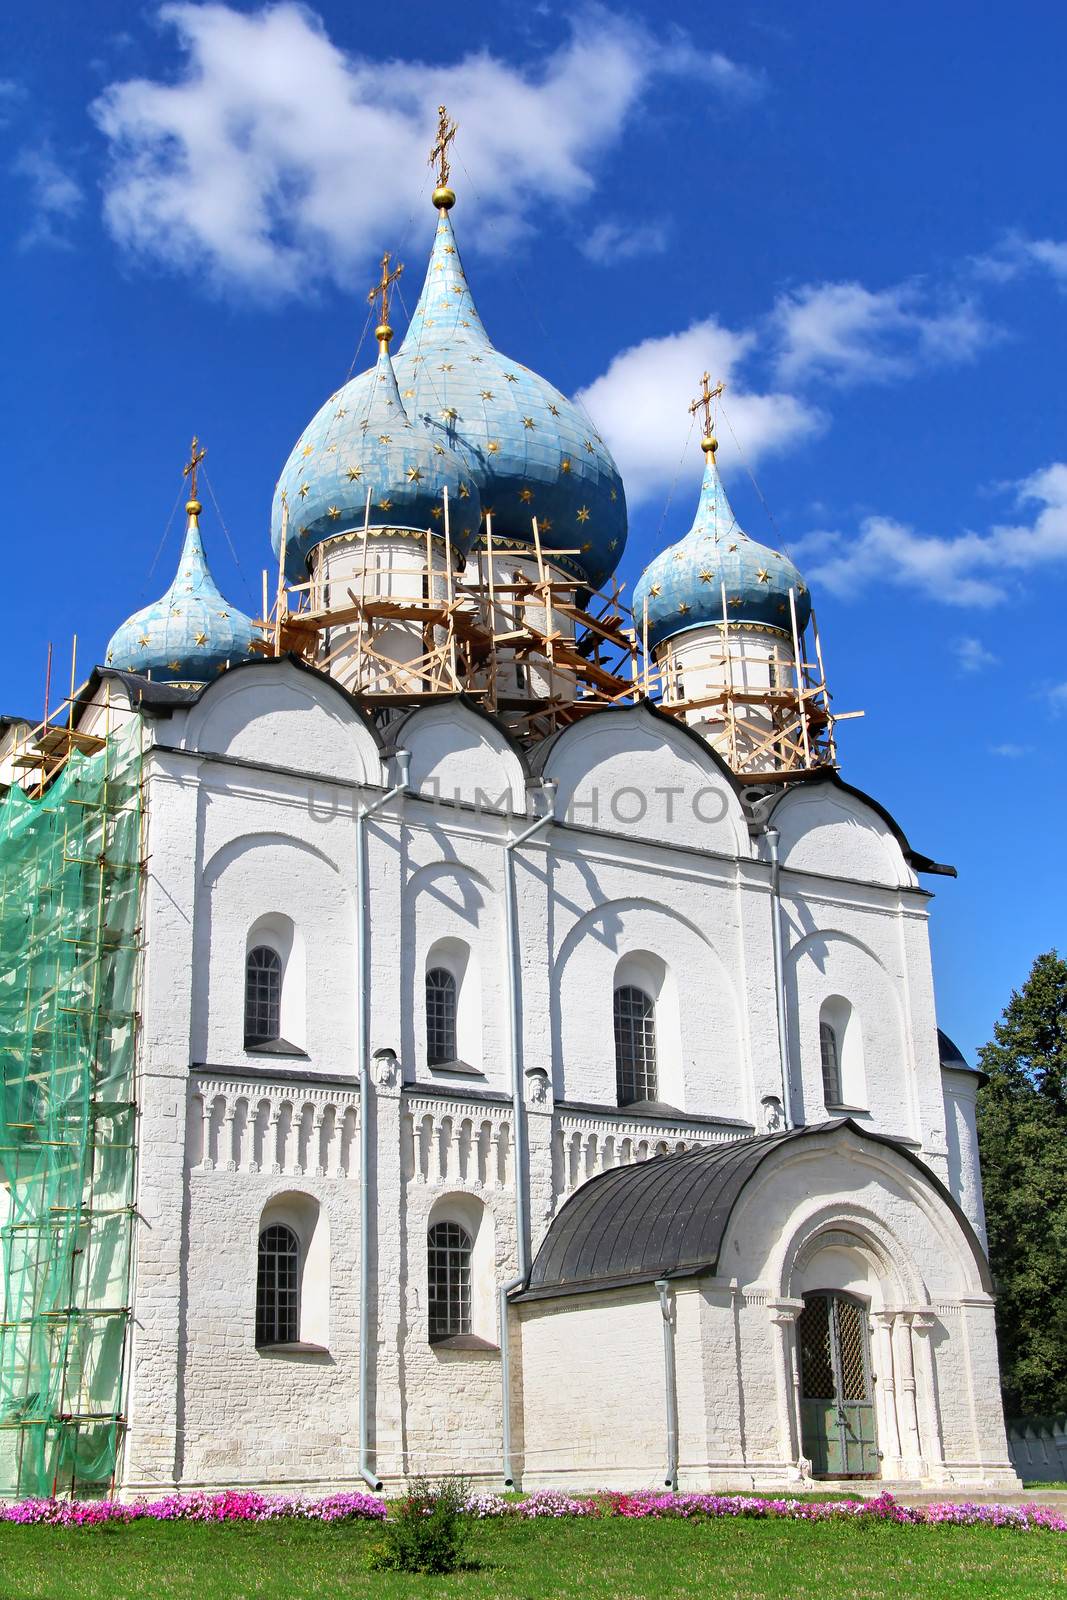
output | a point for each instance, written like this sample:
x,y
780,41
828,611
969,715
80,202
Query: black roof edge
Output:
x,y
163,699
642,703
914,858
770,1143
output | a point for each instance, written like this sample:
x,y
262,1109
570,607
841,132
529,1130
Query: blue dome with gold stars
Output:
x,y
191,633
683,587
363,459
530,450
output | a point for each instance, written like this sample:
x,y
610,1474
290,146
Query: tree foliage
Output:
x,y
1022,1132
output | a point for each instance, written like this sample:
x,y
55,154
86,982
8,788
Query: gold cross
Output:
x,y
189,470
703,402
381,288
446,132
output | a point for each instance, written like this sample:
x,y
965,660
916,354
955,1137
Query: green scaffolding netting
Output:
x,y
70,888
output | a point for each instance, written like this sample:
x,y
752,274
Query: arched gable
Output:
x,y
826,828
460,754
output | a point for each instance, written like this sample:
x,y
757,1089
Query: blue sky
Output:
x,y
853,214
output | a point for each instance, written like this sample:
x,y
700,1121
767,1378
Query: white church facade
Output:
x,y
538,1077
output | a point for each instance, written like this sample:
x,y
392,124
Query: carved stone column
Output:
x,y
783,1314
887,1388
922,1326
912,1464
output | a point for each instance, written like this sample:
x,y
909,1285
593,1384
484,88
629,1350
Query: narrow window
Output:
x,y
635,1045
831,1064
277,1286
440,1016
263,995
449,1274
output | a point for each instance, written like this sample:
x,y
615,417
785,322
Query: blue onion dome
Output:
x,y
191,633
363,461
683,586
539,455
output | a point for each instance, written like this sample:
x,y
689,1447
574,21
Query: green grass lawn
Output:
x,y
579,1560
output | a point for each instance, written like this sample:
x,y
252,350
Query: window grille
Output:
x,y
831,1065
263,995
635,1045
440,1016
277,1286
448,1260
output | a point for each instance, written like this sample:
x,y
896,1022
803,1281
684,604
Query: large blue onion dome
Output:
x,y
191,633
363,460
683,586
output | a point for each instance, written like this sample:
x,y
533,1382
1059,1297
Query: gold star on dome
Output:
x,y
654,590
331,449
613,544
385,438
614,494
510,376
333,512
303,530
416,359
385,505
464,492
763,576
732,548
476,358
342,411
364,425
528,422
565,465
583,513
354,474
409,394
554,410
586,547
225,615
494,447
706,576
678,556
201,638
308,450
465,324
782,606
734,601
439,266
683,607
487,394
589,445
438,449
305,490
109,658
450,249
446,366
175,666
546,524
143,640
526,495
414,475
437,513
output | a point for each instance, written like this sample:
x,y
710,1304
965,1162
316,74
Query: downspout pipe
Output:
x,y
403,764
770,833
518,1112
670,1381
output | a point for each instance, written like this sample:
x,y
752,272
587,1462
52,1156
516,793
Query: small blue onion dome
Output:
x,y
191,633
683,586
363,447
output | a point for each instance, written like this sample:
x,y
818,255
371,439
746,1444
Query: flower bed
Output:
x,y
251,1506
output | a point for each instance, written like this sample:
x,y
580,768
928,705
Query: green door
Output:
x,y
836,1395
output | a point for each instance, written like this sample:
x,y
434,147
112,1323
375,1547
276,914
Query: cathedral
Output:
x,y
462,1021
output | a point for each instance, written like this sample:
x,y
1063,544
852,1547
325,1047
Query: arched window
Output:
x,y
278,1286
448,1263
263,995
635,1045
831,1064
441,995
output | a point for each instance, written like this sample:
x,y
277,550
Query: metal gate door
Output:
x,y
837,1424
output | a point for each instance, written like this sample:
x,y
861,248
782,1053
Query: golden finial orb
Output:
x,y
444,198
193,508
383,333
709,444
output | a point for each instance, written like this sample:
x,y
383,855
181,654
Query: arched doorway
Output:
x,y
837,1423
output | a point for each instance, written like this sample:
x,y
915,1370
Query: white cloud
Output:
x,y
12,97
640,404
1057,699
55,197
972,655
272,158
1010,752
1017,253
621,241
846,333
966,569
